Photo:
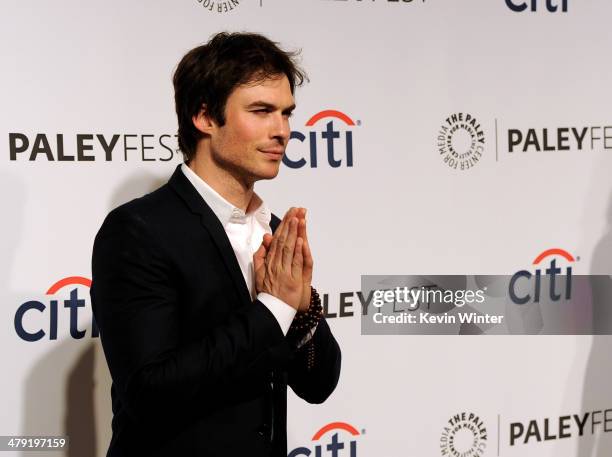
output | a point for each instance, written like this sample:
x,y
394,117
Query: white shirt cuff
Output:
x,y
283,313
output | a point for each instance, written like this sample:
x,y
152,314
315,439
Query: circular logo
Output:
x,y
219,6
461,141
463,436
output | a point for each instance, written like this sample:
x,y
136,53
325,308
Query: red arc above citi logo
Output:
x,y
533,281
335,158
32,311
335,447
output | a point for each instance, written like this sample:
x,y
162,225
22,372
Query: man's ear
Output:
x,y
203,122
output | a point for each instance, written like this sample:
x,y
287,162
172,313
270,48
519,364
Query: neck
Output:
x,y
239,192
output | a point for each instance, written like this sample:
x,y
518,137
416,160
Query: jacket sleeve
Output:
x,y
316,384
136,303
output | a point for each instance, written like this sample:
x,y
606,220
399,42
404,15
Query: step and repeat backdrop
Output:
x,y
435,137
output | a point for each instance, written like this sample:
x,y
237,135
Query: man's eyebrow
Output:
x,y
270,106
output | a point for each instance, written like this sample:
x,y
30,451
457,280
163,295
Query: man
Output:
x,y
204,316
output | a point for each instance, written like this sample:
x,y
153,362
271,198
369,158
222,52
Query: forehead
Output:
x,y
275,91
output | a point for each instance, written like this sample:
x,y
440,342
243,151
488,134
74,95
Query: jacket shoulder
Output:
x,y
160,206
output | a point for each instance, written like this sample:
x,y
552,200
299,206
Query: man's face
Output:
x,y
252,142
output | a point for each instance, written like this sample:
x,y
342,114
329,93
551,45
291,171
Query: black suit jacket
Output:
x,y
198,368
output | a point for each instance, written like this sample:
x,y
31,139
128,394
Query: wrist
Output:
x,y
309,318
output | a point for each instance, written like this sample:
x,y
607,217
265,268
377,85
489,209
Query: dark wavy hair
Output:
x,y
208,74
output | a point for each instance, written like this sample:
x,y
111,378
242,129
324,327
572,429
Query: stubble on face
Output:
x,y
251,143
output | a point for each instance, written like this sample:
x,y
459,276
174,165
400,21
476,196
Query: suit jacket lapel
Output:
x,y
209,220
274,223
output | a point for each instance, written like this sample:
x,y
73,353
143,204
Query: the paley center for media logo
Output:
x,y
461,141
464,435
221,6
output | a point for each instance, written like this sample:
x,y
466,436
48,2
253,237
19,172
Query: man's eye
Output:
x,y
262,110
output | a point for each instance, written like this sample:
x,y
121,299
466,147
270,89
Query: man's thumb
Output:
x,y
267,240
259,256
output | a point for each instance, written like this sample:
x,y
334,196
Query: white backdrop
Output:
x,y
398,69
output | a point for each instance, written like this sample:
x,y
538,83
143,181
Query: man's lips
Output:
x,y
275,152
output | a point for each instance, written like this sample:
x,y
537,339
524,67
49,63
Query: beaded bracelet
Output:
x,y
308,320
305,322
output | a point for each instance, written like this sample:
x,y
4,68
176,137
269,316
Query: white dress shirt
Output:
x,y
245,232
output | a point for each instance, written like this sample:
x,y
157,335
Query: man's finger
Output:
x,y
296,264
267,240
308,262
259,257
301,213
289,246
259,267
302,227
272,250
280,236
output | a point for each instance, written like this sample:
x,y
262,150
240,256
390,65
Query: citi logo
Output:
x,y
328,141
335,447
534,281
552,6
35,320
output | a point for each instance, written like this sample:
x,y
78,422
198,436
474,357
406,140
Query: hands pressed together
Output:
x,y
283,263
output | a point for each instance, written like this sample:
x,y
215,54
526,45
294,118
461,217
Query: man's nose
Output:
x,y
281,129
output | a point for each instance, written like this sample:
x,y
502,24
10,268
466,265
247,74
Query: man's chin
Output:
x,y
268,172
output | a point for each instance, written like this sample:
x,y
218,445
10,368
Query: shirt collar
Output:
x,y
224,210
